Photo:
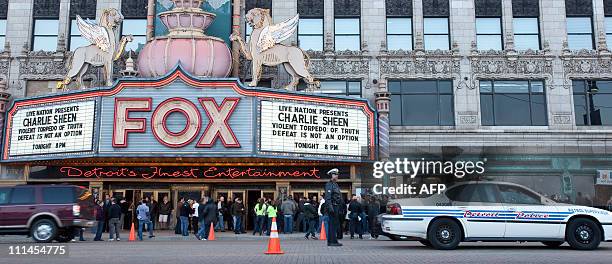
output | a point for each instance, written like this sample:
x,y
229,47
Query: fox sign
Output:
x,y
183,116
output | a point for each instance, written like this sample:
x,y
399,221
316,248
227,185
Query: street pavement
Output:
x,y
245,248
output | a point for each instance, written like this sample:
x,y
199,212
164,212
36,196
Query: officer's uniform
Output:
x,y
334,204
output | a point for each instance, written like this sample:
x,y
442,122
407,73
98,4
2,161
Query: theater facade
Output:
x,y
183,136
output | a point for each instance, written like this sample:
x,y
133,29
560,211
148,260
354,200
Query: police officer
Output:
x,y
333,207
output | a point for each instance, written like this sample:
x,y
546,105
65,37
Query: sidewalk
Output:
x,y
168,235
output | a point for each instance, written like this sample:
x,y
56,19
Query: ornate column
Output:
x,y
383,99
4,103
236,28
150,19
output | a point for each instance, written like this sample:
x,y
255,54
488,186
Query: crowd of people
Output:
x,y
302,215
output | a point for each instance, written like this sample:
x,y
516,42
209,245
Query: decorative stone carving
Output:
x,y
48,8
134,8
309,8
329,43
468,117
562,118
339,68
42,66
586,64
420,63
398,8
498,64
347,8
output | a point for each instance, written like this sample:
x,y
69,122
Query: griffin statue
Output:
x,y
103,50
263,48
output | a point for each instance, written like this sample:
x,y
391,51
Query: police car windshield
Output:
x,y
483,193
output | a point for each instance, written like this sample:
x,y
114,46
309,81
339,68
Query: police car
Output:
x,y
495,211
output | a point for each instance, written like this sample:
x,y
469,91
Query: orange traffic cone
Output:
x,y
323,235
274,243
132,234
211,233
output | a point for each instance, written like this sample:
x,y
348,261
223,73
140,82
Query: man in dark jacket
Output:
x,y
105,207
200,232
210,215
184,217
310,216
373,211
165,210
355,211
114,216
237,212
154,213
100,218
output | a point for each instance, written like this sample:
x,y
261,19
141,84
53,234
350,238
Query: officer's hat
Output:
x,y
333,171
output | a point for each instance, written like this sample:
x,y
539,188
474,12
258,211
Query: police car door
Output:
x,y
480,207
528,217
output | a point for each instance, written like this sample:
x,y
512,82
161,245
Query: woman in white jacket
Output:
x,y
322,217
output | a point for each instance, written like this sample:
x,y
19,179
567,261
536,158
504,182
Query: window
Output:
x,y
348,88
579,33
3,16
483,193
135,23
526,33
399,24
435,24
517,195
87,10
45,34
250,4
488,25
138,29
512,103
310,34
2,32
526,24
435,33
421,103
608,21
579,24
347,27
310,28
488,33
22,195
46,25
76,40
347,34
593,102
4,195
399,33
58,195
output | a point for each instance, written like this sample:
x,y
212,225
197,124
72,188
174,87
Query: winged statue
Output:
x,y
102,51
264,48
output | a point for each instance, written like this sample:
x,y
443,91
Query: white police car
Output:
x,y
495,211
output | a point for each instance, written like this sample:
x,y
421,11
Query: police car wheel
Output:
x,y
552,244
583,234
444,234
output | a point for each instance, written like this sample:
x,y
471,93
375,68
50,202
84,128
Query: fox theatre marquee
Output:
x,y
184,134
